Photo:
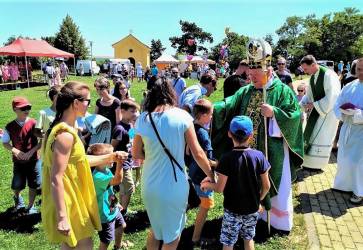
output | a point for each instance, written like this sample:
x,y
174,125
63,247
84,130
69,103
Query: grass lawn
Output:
x,y
12,239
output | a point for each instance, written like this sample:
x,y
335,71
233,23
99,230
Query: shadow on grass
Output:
x,y
212,230
137,222
19,221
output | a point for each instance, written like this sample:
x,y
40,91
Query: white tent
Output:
x,y
166,59
198,59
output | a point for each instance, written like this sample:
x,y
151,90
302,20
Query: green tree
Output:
x,y
236,46
336,37
190,31
69,39
49,39
156,49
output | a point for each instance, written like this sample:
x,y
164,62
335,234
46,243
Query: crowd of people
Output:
x,y
87,160
13,72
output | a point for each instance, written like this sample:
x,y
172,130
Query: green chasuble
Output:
x,y
247,101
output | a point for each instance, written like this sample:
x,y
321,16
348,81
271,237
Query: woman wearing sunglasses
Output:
x,y
69,208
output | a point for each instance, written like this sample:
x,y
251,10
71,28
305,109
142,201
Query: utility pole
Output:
x,y
91,69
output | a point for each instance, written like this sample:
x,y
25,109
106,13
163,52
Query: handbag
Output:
x,y
193,198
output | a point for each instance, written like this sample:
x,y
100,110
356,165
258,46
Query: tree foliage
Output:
x,y
190,31
156,49
336,37
236,47
69,39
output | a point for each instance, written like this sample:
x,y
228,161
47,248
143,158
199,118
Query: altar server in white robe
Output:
x,y
349,175
321,126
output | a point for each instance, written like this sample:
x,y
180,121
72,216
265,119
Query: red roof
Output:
x,y
35,48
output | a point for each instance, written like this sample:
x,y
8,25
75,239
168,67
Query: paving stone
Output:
x,y
338,245
315,209
334,235
352,227
324,206
322,230
344,230
325,240
331,225
348,242
355,212
357,237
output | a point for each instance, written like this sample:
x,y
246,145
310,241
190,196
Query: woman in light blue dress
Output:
x,y
165,189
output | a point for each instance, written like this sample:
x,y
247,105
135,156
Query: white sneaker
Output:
x,y
356,199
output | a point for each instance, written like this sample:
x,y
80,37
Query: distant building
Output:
x,y
133,49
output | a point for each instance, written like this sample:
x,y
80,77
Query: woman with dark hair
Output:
x,y
121,91
166,210
107,105
69,208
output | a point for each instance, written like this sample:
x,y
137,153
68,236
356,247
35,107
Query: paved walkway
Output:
x,y
332,221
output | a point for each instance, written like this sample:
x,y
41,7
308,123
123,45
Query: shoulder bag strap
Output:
x,y
171,157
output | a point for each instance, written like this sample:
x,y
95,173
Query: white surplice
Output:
x,y
281,205
326,126
349,175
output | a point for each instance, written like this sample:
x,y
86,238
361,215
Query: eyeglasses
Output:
x,y
280,63
26,108
85,100
300,90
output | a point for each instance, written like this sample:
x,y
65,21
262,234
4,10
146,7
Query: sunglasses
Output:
x,y
281,64
300,90
85,100
26,108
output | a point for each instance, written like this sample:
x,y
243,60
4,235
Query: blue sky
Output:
x,y
106,22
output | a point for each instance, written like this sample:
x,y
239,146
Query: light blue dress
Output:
x,y
165,199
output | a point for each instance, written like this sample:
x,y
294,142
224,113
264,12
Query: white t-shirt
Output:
x,y
46,117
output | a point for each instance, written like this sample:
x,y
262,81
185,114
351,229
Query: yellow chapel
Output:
x,y
133,49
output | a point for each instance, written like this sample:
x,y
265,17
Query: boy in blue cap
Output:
x,y
243,179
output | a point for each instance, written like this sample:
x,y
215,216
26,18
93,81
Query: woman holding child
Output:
x,y
69,209
166,210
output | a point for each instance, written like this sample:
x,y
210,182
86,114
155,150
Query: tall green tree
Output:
x,y
157,49
69,39
49,39
190,31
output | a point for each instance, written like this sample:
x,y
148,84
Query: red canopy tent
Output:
x,y
35,48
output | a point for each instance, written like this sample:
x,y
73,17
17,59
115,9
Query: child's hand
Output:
x,y
119,156
260,209
204,186
120,207
206,179
28,155
18,154
63,227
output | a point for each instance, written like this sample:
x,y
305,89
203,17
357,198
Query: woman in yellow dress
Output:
x,y
69,207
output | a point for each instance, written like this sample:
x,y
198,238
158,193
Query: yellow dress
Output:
x,y
79,193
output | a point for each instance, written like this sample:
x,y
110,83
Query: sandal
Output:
x,y
356,199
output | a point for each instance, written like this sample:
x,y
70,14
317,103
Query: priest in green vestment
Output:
x,y
284,135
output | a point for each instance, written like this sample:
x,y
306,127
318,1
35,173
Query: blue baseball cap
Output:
x,y
241,125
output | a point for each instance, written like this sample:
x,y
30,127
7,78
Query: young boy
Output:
x,y
121,142
239,174
202,112
19,138
112,221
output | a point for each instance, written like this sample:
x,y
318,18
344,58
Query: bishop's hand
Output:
x,y
267,110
